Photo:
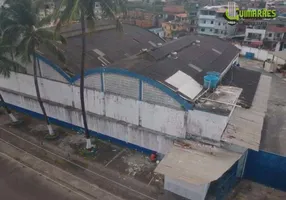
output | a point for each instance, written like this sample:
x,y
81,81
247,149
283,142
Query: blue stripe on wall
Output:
x,y
77,128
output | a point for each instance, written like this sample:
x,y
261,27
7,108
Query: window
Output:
x,y
202,29
219,23
204,21
174,26
278,34
221,32
216,31
211,30
212,22
270,35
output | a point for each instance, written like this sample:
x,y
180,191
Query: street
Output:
x,y
21,183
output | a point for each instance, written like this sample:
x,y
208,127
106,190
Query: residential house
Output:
x,y
211,21
181,25
141,18
255,34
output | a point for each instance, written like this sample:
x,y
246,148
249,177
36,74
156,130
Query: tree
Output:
x,y
84,12
6,66
21,20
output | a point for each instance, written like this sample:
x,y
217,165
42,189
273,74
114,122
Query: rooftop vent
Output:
x,y
159,44
174,55
198,41
144,50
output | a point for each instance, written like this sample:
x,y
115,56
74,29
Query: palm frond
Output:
x,y
45,21
7,65
55,50
69,13
25,49
47,34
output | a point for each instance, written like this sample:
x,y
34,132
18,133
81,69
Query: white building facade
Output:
x,y
211,21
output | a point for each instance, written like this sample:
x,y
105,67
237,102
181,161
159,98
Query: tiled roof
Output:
x,y
276,29
174,9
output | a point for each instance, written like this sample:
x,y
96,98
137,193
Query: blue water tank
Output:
x,y
213,73
211,80
249,55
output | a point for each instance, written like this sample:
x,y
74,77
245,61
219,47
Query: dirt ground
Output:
x,y
247,190
118,158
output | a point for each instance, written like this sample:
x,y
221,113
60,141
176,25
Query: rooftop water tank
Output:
x,y
211,80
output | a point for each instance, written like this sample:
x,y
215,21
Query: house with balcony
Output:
x,y
255,34
211,21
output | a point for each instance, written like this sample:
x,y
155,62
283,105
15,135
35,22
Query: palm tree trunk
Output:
x,y
13,118
12,58
51,132
83,40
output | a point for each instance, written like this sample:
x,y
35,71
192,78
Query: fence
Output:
x,y
266,168
259,54
227,182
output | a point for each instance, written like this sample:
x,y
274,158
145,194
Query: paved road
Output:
x,y
20,183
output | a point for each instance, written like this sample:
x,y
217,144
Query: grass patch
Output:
x,y
52,137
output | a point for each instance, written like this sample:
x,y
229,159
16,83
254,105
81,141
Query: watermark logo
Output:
x,y
233,14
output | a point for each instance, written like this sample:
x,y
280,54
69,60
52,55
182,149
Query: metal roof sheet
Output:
x,y
199,164
185,84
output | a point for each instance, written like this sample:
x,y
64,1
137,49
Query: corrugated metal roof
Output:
x,y
192,50
198,164
113,44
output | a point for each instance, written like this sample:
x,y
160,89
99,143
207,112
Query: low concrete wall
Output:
x,y
187,190
259,54
206,125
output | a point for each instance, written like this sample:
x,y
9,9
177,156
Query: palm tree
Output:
x,y
6,66
21,19
84,12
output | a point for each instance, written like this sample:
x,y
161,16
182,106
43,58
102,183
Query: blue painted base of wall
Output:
x,y
77,128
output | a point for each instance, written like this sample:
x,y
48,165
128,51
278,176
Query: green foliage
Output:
x,y
23,30
73,9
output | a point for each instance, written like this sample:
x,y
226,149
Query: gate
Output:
x,y
266,168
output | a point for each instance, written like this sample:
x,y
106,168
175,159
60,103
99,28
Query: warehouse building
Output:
x,y
154,96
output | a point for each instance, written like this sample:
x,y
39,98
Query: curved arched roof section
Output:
x,y
185,104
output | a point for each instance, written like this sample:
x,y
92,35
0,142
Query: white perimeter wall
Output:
x,y
259,54
145,124
206,125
